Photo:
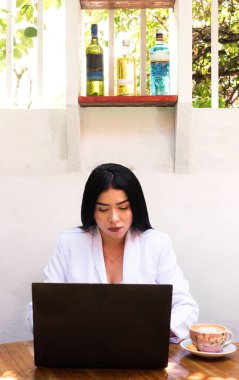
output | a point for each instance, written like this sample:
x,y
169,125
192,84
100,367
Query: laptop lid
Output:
x,y
101,325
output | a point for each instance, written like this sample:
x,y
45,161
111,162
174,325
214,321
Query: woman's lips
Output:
x,y
115,229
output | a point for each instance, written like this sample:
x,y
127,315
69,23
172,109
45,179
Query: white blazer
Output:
x,y
148,259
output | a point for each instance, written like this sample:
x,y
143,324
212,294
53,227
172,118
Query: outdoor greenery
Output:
x,y
228,53
128,21
25,31
26,27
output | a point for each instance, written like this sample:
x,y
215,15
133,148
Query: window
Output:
x,y
215,53
32,61
128,22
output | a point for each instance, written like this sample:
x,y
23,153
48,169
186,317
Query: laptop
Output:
x,y
101,325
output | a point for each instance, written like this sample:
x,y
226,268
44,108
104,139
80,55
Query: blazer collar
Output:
x,y
131,257
98,257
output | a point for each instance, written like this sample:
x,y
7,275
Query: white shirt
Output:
x,y
148,259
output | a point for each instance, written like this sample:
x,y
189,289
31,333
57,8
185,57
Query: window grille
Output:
x,y
215,53
32,67
109,32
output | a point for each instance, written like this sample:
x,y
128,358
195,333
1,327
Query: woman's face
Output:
x,y
113,214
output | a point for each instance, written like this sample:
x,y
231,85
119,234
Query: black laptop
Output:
x,y
101,325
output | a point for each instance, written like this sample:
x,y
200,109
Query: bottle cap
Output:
x,y
126,42
94,30
159,36
159,33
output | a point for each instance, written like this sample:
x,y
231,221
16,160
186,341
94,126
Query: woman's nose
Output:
x,y
114,216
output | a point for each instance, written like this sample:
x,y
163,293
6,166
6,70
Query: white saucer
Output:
x,y
226,350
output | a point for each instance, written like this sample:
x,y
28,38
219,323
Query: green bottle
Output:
x,y
94,65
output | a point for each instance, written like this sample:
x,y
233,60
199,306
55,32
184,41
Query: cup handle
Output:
x,y
229,338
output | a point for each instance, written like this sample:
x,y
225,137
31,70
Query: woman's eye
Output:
x,y
124,208
103,209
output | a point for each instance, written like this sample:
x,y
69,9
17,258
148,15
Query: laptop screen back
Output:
x,y
101,325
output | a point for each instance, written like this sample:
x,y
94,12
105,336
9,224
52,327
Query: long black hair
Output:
x,y
114,176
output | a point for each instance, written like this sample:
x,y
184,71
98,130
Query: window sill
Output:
x,y
128,101
135,4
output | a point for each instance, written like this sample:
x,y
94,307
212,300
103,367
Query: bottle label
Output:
x,y
159,55
94,64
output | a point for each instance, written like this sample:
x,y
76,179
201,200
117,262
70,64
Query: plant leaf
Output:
x,y
17,53
30,32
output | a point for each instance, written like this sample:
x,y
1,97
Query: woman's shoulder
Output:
x,y
73,234
151,232
155,238
73,231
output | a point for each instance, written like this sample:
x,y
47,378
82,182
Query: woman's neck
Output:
x,y
113,243
109,242
113,252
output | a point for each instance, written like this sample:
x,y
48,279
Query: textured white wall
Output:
x,y
137,137
32,142
39,198
214,140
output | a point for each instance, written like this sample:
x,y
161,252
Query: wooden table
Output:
x,y
16,363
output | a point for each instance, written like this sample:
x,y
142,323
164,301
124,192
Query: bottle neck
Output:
x,y
125,50
94,39
159,41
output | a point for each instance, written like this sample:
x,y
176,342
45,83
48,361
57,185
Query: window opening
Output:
x,y
201,53
125,22
215,53
228,53
32,61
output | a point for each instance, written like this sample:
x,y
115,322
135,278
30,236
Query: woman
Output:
x,y
116,244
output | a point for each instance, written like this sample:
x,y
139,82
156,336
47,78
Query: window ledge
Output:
x,y
121,4
128,101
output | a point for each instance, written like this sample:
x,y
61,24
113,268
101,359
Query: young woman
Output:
x,y
116,244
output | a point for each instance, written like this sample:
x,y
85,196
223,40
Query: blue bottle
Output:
x,y
159,67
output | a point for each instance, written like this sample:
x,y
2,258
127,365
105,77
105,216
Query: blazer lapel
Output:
x,y
131,258
98,258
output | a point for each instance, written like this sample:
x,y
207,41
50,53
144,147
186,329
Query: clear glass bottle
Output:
x,y
126,71
159,67
94,65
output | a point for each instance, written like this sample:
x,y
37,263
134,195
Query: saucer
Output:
x,y
226,350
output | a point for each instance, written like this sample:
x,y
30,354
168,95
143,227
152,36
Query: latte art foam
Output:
x,y
209,329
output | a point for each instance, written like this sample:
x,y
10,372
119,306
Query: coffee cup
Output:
x,y
210,337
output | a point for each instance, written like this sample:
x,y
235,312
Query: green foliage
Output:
x,y
228,19
25,28
201,53
30,32
52,3
25,31
201,95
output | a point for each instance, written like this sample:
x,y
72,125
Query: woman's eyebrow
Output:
x,y
120,203
107,204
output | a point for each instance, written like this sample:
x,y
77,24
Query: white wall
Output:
x,y
138,137
32,142
214,140
39,197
